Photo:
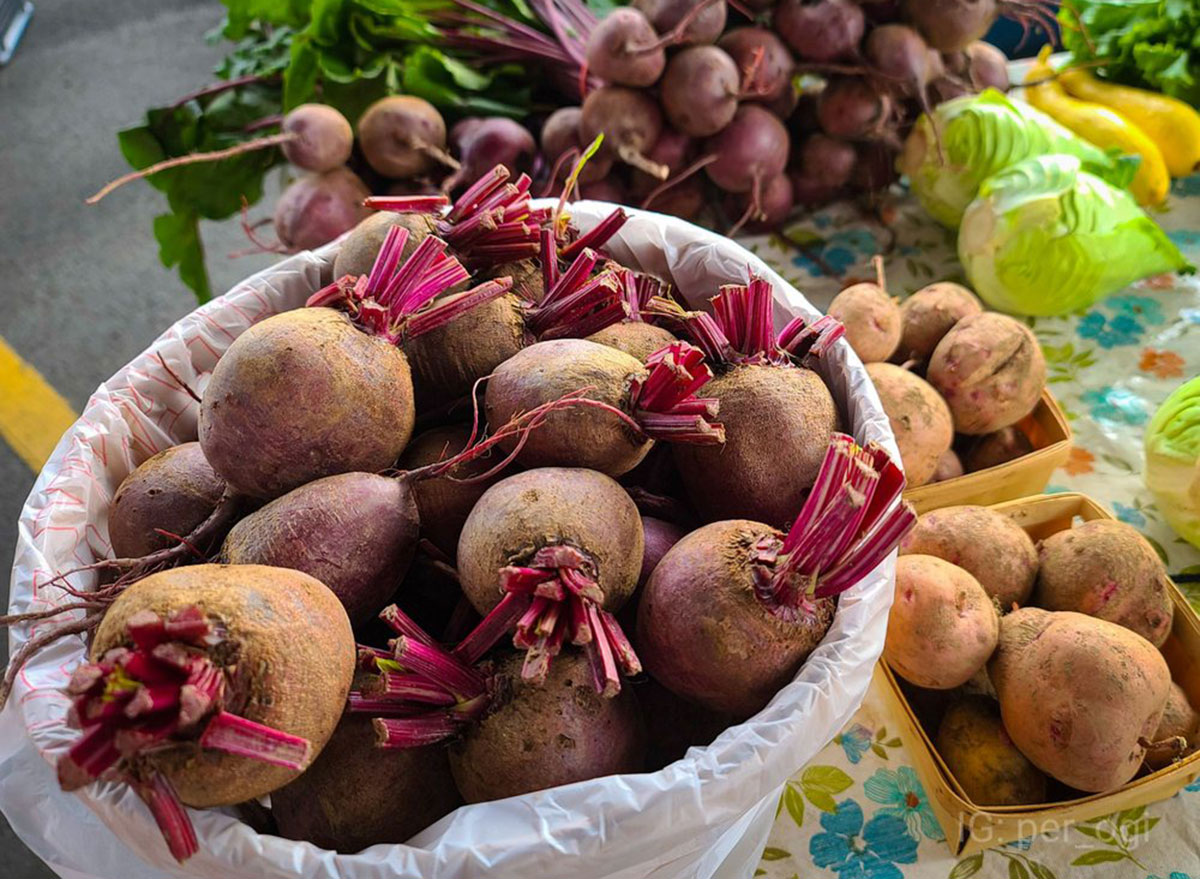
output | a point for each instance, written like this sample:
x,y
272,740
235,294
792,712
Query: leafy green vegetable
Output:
x,y
982,134
1148,43
1045,237
1173,460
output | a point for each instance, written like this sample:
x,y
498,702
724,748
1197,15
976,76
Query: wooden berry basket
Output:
x,y
1047,428
970,827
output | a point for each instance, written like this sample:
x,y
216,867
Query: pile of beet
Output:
x,y
393,576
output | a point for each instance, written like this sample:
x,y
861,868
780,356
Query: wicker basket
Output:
x,y
970,827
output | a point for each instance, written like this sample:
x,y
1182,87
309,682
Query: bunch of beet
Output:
x,y
464,428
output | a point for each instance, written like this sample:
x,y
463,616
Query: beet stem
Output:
x,y
402,624
598,235
407,204
236,735
492,627
170,815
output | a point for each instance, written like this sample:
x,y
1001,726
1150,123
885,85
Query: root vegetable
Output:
x,y
943,626
871,318
948,467
355,795
208,686
990,369
927,315
673,150
850,108
988,545
554,552
318,208
987,67
358,252
993,449
173,491
919,417
827,160
699,91
1078,695
820,30
604,190
658,537
674,725
630,122
1108,570
779,415
765,62
733,609
485,143
324,139
543,736
752,150
560,135
775,203
812,191
876,168
983,759
623,48
636,404
1176,731
404,136
666,15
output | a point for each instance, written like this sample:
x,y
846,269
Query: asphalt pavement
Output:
x,y
81,289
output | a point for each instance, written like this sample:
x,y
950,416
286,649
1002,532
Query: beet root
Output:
x,y
355,532
699,90
347,405
751,150
666,15
544,736
630,121
324,138
403,136
357,253
356,795
317,208
624,49
172,491
821,30
765,62
636,338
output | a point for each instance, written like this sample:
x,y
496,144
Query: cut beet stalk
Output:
x,y
245,738
409,688
88,758
407,204
170,816
402,624
413,732
664,404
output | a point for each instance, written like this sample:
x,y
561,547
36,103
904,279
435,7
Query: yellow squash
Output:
x,y
1169,122
1103,127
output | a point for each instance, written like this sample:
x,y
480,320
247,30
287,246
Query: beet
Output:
x,y
624,49
560,134
482,144
358,251
324,139
851,108
172,491
403,136
987,67
630,122
765,63
317,208
949,25
672,150
609,190
828,160
666,15
775,204
658,536
820,30
699,90
750,151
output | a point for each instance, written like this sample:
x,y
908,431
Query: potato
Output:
x,y
991,371
1077,694
943,627
1108,570
919,419
983,759
927,315
994,449
1179,721
988,545
871,318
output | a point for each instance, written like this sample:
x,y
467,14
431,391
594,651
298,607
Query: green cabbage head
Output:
x,y
1045,237
982,134
1173,460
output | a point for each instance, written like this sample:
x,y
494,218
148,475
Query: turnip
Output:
x,y
319,207
820,30
872,318
554,552
950,25
734,608
208,686
481,144
348,403
623,48
765,63
404,136
172,492
630,122
699,25
778,416
699,91
850,108
632,405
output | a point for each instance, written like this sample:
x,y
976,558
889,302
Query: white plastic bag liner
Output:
x,y
706,815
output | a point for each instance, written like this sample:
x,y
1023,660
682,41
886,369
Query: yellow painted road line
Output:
x,y
33,416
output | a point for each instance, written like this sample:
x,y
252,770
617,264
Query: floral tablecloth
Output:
x,y
859,810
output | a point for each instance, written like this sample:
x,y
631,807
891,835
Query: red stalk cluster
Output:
x,y
390,301
741,329
853,517
162,691
578,304
420,693
664,402
552,600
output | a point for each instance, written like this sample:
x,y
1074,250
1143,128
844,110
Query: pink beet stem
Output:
x,y
200,695
791,332
189,625
368,656
572,279
630,294
581,626
692,429
88,757
599,234
581,584
709,336
492,628
413,732
622,648
360,703
552,589
146,629
549,260
407,204
409,688
443,312
402,624
871,550
524,580
170,816
823,533
147,735
605,676
384,267
476,192
147,700
400,286
468,231
829,477
236,735
599,292
582,327
437,665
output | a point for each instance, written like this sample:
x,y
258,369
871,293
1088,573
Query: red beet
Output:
x,y
820,30
624,49
765,63
699,91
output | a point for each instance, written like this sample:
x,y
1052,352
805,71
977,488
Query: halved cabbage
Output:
x,y
1173,460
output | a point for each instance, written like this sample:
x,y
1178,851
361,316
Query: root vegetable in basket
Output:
x,y
990,370
988,545
1176,733
357,254
993,449
208,686
699,91
949,466
983,759
319,207
347,403
735,608
553,552
871,317
633,334
930,313
1108,570
355,795
919,417
778,415
1078,695
634,404
943,626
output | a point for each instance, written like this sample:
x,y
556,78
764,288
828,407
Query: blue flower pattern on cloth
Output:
x,y
1021,845
1140,308
841,251
1110,333
1129,515
855,851
900,791
855,740
1115,404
